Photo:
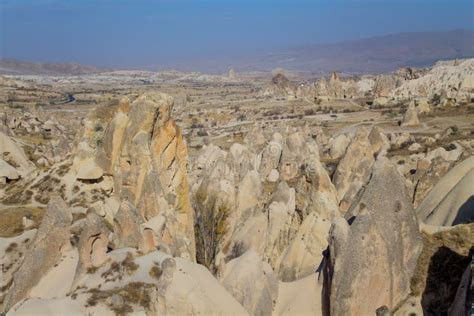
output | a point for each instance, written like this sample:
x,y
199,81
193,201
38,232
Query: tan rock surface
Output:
x,y
384,258
450,200
353,169
50,243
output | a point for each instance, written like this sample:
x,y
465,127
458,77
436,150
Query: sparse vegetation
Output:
x,y
11,247
117,270
210,226
237,250
133,294
155,272
12,219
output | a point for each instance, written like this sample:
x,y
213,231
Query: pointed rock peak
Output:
x,y
411,116
384,222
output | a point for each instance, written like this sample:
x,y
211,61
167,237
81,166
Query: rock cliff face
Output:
x,y
142,152
452,80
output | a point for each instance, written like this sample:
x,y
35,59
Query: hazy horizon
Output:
x,y
156,33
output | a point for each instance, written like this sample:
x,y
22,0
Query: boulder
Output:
x,y
12,252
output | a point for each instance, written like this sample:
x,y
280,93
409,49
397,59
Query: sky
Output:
x,y
148,33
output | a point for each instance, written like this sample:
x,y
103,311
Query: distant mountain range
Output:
x,y
371,55
376,54
17,67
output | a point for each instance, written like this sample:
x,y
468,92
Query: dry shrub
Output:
x,y
135,293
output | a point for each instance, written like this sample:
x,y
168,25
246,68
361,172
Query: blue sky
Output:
x,y
137,33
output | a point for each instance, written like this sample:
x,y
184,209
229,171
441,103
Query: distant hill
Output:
x,y
376,54
371,55
17,67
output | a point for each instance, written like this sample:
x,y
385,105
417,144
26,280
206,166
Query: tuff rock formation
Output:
x,y
50,243
144,153
276,208
383,260
449,80
450,201
354,168
411,117
280,86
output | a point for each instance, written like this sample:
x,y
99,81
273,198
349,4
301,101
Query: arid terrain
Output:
x,y
249,193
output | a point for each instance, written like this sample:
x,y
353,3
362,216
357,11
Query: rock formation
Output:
x,y
444,80
383,261
450,201
354,168
280,86
13,155
143,151
411,117
274,208
50,243
247,274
